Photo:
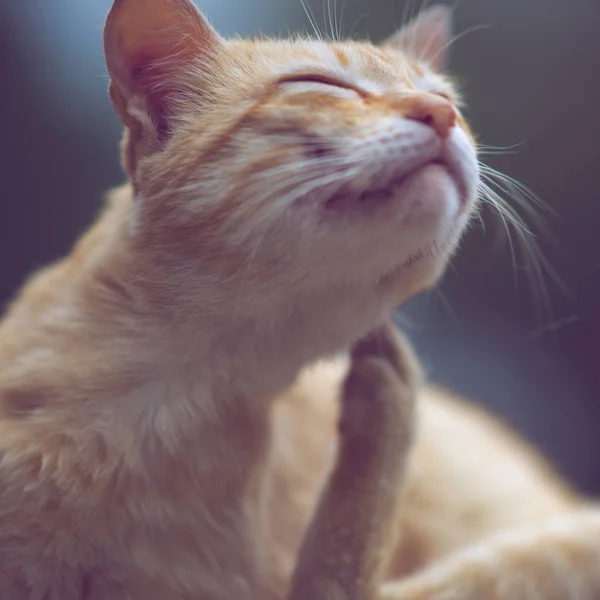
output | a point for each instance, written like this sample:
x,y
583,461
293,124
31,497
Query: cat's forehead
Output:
x,y
362,63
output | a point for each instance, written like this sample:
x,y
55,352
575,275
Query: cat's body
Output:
x,y
453,497
155,440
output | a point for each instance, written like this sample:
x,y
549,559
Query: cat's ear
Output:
x,y
426,38
151,47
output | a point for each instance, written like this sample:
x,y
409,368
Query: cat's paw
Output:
x,y
378,394
389,344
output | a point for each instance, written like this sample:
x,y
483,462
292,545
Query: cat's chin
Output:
x,y
434,193
439,205
436,176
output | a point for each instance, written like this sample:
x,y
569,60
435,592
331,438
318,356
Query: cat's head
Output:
x,y
297,169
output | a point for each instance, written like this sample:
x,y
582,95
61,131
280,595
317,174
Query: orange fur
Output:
x,y
168,400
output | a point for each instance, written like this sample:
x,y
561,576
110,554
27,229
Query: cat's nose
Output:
x,y
432,110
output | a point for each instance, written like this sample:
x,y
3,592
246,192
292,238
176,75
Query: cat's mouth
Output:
x,y
392,188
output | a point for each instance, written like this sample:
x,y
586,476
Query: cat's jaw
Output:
x,y
400,219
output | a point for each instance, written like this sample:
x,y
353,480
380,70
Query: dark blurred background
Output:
x,y
529,69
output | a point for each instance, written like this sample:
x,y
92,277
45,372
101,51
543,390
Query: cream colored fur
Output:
x,y
169,394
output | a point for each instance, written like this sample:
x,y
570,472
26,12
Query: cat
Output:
x,y
170,392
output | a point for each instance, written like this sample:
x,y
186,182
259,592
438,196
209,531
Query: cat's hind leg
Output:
x,y
559,560
347,547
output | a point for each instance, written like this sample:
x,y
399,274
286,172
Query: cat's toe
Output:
x,y
388,343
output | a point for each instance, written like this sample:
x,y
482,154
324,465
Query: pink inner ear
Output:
x,y
151,47
157,37
426,38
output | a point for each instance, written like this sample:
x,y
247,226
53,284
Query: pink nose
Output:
x,y
432,110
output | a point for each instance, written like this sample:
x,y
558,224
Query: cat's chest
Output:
x,y
210,549
192,510
200,536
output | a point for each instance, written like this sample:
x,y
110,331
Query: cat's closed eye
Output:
x,y
316,81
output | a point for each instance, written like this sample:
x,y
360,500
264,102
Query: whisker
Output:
x,y
304,170
298,177
311,18
481,222
313,184
488,148
518,187
363,16
537,266
416,10
419,56
412,42
342,17
520,194
453,41
555,326
338,21
331,23
325,21
493,152
446,305
507,211
286,187
497,203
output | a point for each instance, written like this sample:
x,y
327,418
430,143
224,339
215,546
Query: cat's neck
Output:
x,y
171,345
184,322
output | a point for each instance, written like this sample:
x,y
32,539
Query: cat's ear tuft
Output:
x,y
151,47
426,38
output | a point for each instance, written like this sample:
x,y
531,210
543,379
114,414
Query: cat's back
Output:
x,y
44,299
469,475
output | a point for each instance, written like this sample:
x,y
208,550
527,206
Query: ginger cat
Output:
x,y
168,396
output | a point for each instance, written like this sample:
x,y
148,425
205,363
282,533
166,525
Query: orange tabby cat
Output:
x,y
161,437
